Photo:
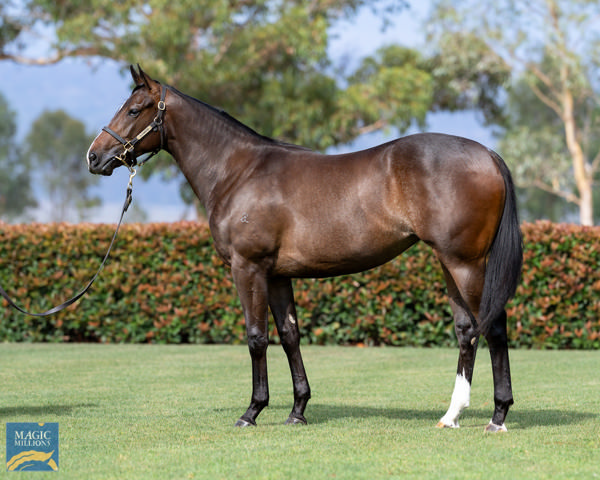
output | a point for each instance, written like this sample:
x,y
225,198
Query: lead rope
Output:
x,y
71,301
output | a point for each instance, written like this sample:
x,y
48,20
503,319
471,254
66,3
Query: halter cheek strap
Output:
x,y
129,145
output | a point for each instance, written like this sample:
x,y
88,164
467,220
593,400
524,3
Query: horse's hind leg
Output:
x,y
498,342
283,308
465,285
464,307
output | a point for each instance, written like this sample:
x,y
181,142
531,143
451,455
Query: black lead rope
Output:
x,y
128,153
71,301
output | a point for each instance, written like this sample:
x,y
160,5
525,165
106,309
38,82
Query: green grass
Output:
x,y
142,411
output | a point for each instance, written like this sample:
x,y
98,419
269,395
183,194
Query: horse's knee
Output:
x,y
290,337
257,343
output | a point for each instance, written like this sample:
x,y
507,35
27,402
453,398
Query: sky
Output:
x,y
93,92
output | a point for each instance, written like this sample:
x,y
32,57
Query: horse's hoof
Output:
x,y
293,420
242,423
493,428
441,424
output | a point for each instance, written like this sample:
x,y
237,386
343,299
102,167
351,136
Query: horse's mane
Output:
x,y
235,122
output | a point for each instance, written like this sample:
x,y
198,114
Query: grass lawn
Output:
x,y
143,411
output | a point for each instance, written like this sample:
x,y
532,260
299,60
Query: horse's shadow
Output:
x,y
37,410
324,413
517,419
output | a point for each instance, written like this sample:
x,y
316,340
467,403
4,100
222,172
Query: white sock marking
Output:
x,y
460,400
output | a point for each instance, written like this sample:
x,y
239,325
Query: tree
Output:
x,y
56,144
533,143
552,49
15,181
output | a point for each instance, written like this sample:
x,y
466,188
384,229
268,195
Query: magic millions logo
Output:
x,y
31,447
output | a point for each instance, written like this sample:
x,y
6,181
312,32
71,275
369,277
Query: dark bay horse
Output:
x,y
279,211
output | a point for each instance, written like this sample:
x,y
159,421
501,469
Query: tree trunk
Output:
x,y
586,212
582,179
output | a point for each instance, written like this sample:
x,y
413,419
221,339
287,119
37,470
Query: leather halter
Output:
x,y
129,145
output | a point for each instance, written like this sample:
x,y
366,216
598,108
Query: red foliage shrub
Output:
x,y
165,284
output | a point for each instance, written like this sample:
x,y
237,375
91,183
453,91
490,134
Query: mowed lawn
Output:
x,y
167,412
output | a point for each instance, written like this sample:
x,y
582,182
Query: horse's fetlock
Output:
x,y
302,393
503,401
260,402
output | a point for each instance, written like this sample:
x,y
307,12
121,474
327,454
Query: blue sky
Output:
x,y
92,94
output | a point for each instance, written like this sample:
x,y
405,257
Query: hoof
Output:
x,y
292,420
242,423
441,424
493,428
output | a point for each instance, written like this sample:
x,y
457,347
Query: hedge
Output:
x,y
165,284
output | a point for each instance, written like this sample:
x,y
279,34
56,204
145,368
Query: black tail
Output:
x,y
505,258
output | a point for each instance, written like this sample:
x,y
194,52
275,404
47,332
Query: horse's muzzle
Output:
x,y
98,166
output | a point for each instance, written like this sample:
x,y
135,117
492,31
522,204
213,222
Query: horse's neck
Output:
x,y
207,147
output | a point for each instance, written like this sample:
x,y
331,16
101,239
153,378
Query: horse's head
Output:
x,y
134,130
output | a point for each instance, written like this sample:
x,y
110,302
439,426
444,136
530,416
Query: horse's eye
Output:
x,y
133,112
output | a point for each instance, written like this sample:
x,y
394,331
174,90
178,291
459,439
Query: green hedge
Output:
x,y
165,284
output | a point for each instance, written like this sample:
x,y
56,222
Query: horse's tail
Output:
x,y
505,258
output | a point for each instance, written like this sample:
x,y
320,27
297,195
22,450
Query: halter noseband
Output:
x,y
129,145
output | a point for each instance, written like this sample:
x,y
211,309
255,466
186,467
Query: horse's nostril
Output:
x,y
92,157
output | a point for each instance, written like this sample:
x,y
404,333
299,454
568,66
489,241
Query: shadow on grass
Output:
x,y
321,414
516,419
37,410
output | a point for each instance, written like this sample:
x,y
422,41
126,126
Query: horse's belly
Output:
x,y
340,252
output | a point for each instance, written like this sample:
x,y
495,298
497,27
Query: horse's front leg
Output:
x,y
281,301
251,284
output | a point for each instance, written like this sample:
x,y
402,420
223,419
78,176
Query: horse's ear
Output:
x,y
135,76
144,79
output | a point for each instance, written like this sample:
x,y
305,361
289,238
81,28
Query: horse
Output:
x,y
279,211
